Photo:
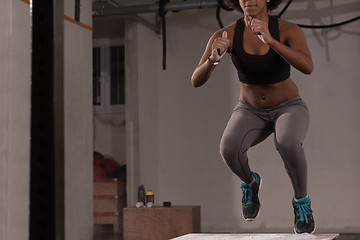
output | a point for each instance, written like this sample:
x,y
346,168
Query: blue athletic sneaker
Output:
x,y
304,221
250,200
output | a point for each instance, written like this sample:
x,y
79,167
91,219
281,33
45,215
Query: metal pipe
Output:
x,y
171,6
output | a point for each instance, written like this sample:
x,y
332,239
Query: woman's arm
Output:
x,y
295,52
203,71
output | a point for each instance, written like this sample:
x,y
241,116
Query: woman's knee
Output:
x,y
232,154
227,150
288,145
233,158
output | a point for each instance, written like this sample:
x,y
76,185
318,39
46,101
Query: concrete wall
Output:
x,y
179,127
15,72
78,123
15,82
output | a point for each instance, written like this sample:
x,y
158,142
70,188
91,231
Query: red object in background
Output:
x,y
105,168
99,169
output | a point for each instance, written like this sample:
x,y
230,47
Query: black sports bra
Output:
x,y
258,69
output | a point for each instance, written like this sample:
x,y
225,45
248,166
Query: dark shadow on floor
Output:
x,y
106,232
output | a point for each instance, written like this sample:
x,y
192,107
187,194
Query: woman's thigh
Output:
x,y
244,129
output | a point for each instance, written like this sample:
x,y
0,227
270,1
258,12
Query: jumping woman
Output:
x,y
262,49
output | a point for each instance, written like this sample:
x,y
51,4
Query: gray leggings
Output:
x,y
248,126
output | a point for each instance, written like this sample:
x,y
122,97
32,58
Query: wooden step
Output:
x,y
257,236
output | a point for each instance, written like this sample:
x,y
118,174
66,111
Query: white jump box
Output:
x,y
259,236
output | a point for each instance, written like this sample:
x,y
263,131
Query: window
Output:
x,y
108,75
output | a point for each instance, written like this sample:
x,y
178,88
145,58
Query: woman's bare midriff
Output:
x,y
268,95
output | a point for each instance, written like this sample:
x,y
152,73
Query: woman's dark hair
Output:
x,y
273,4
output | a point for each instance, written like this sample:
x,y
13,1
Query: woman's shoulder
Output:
x,y
288,29
230,29
286,26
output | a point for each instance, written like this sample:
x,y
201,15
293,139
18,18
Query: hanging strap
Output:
x,y
162,14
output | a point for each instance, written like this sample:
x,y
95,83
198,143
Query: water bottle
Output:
x,y
150,198
141,196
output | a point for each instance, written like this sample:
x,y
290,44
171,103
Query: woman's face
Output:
x,y
253,7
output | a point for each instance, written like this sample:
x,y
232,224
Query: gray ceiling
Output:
x,y
104,27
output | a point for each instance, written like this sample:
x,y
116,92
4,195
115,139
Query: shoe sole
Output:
x,y
252,219
306,232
